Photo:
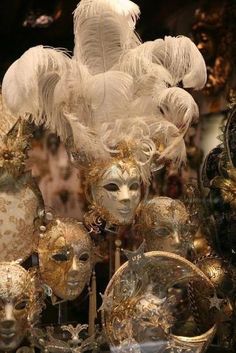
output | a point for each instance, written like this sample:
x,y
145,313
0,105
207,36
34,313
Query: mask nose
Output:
x,y
9,320
124,194
176,238
74,270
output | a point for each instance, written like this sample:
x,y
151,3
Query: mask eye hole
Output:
x,y
84,257
61,256
163,232
21,305
134,186
111,187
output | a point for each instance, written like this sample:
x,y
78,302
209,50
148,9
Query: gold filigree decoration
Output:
x,y
13,150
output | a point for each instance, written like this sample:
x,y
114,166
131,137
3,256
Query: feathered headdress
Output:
x,y
113,89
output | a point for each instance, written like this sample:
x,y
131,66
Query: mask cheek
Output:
x,y
54,274
21,322
85,270
136,198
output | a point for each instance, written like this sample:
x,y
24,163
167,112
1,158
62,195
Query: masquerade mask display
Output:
x,y
65,258
146,307
19,307
164,224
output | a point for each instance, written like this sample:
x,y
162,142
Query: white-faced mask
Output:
x,y
118,193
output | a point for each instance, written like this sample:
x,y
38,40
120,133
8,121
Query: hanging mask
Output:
x,y
164,224
151,316
65,258
20,304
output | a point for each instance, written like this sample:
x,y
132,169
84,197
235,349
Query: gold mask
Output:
x,y
19,304
164,224
65,258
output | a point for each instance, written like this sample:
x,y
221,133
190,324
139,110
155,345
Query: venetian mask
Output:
x,y
164,224
19,304
153,312
117,192
65,258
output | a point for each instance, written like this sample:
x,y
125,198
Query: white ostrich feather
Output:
x,y
20,83
86,140
144,71
178,55
101,41
110,94
90,8
142,106
171,140
102,33
176,105
181,57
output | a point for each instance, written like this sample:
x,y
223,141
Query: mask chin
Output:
x,y
10,344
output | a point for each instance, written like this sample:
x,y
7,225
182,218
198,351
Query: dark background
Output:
x,y
17,33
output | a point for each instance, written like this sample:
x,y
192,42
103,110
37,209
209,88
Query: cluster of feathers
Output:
x,y
113,89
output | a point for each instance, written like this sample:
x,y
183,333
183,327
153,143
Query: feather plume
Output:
x,y
177,106
98,45
178,55
20,83
171,142
181,57
142,70
87,140
110,94
89,8
102,33
142,106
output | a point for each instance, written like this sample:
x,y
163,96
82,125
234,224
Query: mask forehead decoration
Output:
x,y
20,304
165,225
150,315
65,258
